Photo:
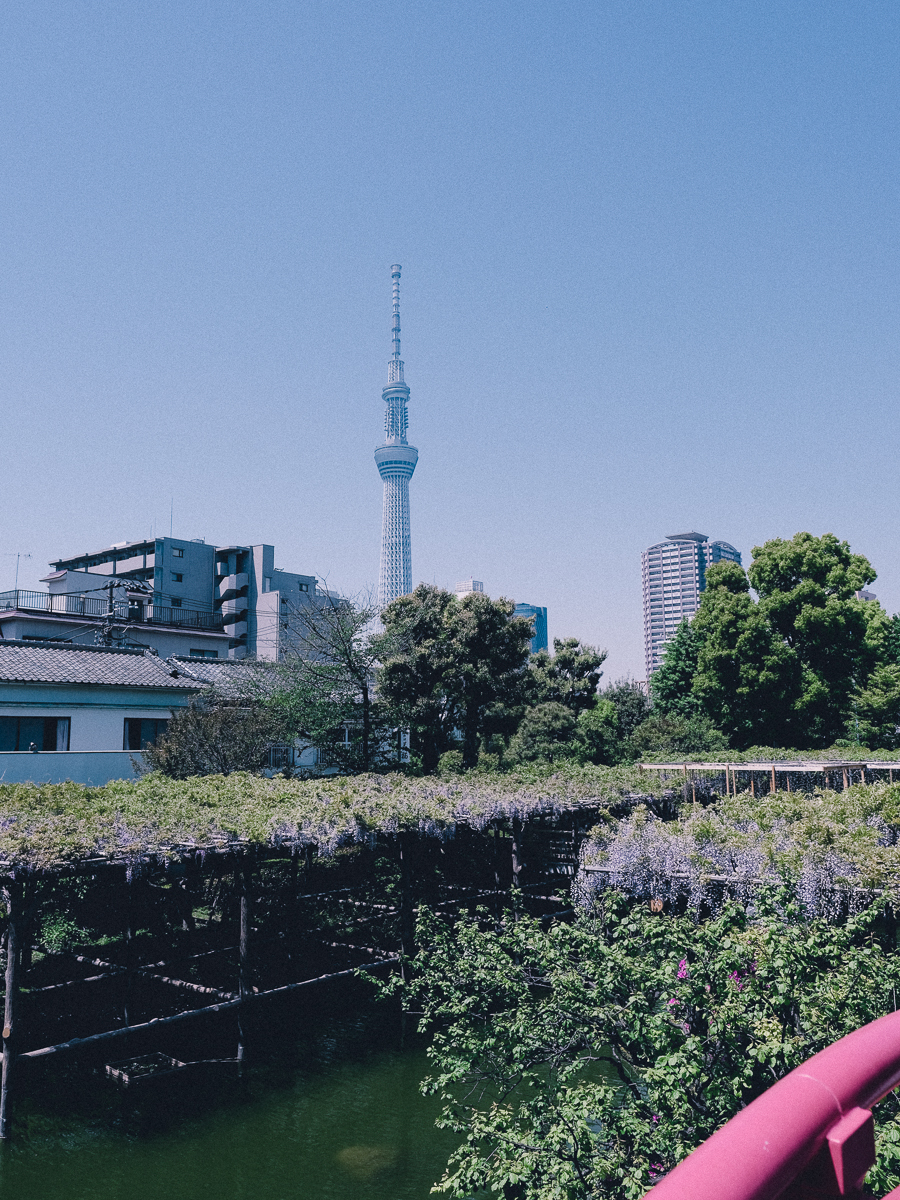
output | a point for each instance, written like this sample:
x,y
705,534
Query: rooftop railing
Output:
x,y
97,607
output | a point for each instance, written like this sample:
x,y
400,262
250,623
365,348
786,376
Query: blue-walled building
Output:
x,y
539,614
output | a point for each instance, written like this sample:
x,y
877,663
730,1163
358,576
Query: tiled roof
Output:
x,y
26,662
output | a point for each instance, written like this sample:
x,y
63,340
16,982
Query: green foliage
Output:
x,y
746,679
807,663
213,738
597,734
588,1059
545,733
569,677
156,816
668,736
323,690
671,685
834,850
632,708
453,665
806,594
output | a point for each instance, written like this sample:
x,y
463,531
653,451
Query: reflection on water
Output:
x,y
331,1111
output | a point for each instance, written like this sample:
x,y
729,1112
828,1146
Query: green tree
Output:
x,y
597,737
587,1059
747,677
453,666
324,687
214,736
632,708
806,592
671,686
569,676
545,734
667,735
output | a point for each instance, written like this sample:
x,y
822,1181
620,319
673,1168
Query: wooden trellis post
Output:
x,y
772,788
10,1011
244,879
407,917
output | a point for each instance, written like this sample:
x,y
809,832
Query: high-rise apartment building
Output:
x,y
538,614
673,575
396,460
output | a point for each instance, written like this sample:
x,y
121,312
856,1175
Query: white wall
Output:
x,y
62,765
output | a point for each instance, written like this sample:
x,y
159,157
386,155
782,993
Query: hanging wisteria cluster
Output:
x,y
836,850
44,827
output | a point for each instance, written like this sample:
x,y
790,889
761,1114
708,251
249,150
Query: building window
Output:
x,y
203,653
177,552
39,733
304,587
175,601
141,732
267,583
177,577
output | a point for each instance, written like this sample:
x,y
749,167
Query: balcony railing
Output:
x,y
94,607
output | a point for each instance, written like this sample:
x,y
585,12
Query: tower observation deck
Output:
x,y
396,460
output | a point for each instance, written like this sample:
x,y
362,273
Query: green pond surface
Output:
x,y
329,1110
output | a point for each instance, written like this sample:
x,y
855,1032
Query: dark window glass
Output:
x,y
177,577
31,731
141,732
177,552
176,602
44,733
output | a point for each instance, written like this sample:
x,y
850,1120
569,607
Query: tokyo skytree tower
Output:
x,y
396,460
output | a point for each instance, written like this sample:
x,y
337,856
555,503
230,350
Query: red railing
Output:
x,y
810,1136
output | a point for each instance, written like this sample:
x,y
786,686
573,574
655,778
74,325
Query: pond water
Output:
x,y
329,1109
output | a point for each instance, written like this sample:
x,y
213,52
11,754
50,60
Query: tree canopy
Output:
x,y
451,665
805,663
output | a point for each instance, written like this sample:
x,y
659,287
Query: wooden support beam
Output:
x,y
10,1008
110,1034
407,916
772,788
245,985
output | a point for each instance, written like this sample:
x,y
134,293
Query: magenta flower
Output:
x,y
674,1000
683,969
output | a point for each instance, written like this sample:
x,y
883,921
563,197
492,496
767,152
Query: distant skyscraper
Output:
x,y
539,614
396,460
673,574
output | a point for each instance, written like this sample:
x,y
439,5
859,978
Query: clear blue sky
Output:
x,y
650,283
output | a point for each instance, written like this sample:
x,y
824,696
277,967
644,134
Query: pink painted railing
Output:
x,y
810,1136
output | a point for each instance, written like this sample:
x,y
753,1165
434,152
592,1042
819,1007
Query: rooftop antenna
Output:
x,y
19,555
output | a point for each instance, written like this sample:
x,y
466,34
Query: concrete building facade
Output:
x,y
673,576
174,596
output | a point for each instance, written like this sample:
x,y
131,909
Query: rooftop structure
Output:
x,y
170,595
396,460
673,576
465,587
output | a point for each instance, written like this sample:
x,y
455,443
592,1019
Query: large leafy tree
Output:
x,y
569,676
806,589
585,1060
671,687
746,678
451,666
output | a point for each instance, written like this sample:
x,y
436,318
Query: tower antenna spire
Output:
x,y
396,460
396,367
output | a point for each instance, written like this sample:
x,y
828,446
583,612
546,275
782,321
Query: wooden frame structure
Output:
x,y
528,855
